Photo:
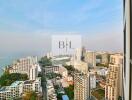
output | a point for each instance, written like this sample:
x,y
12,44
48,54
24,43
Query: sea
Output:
x,y
8,60
5,61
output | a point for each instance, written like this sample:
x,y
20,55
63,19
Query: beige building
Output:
x,y
113,88
81,81
105,58
81,66
81,86
90,58
23,65
51,69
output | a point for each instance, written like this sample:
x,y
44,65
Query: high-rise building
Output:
x,y
33,72
81,66
49,55
105,58
90,58
92,80
78,54
83,53
81,86
81,81
113,88
127,70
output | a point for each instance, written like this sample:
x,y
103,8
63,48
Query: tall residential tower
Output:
x,y
81,81
113,88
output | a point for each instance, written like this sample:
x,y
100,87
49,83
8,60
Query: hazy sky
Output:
x,y
26,25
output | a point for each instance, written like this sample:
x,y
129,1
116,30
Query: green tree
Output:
x,y
70,92
44,61
7,79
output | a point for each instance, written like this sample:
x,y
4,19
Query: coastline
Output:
x,y
5,61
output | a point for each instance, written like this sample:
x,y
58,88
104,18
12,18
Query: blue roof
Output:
x,y
65,97
16,83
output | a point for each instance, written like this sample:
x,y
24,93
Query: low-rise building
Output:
x,y
102,72
51,69
19,88
12,91
32,85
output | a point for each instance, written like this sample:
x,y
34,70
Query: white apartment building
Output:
x,y
92,80
18,88
12,91
51,69
78,54
113,88
33,72
23,65
102,72
32,85
49,55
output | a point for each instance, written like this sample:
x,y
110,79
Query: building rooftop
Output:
x,y
29,82
6,88
16,83
2,89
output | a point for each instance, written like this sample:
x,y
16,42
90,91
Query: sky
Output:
x,y
26,25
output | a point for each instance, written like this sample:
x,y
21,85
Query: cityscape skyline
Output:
x,y
65,50
81,76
